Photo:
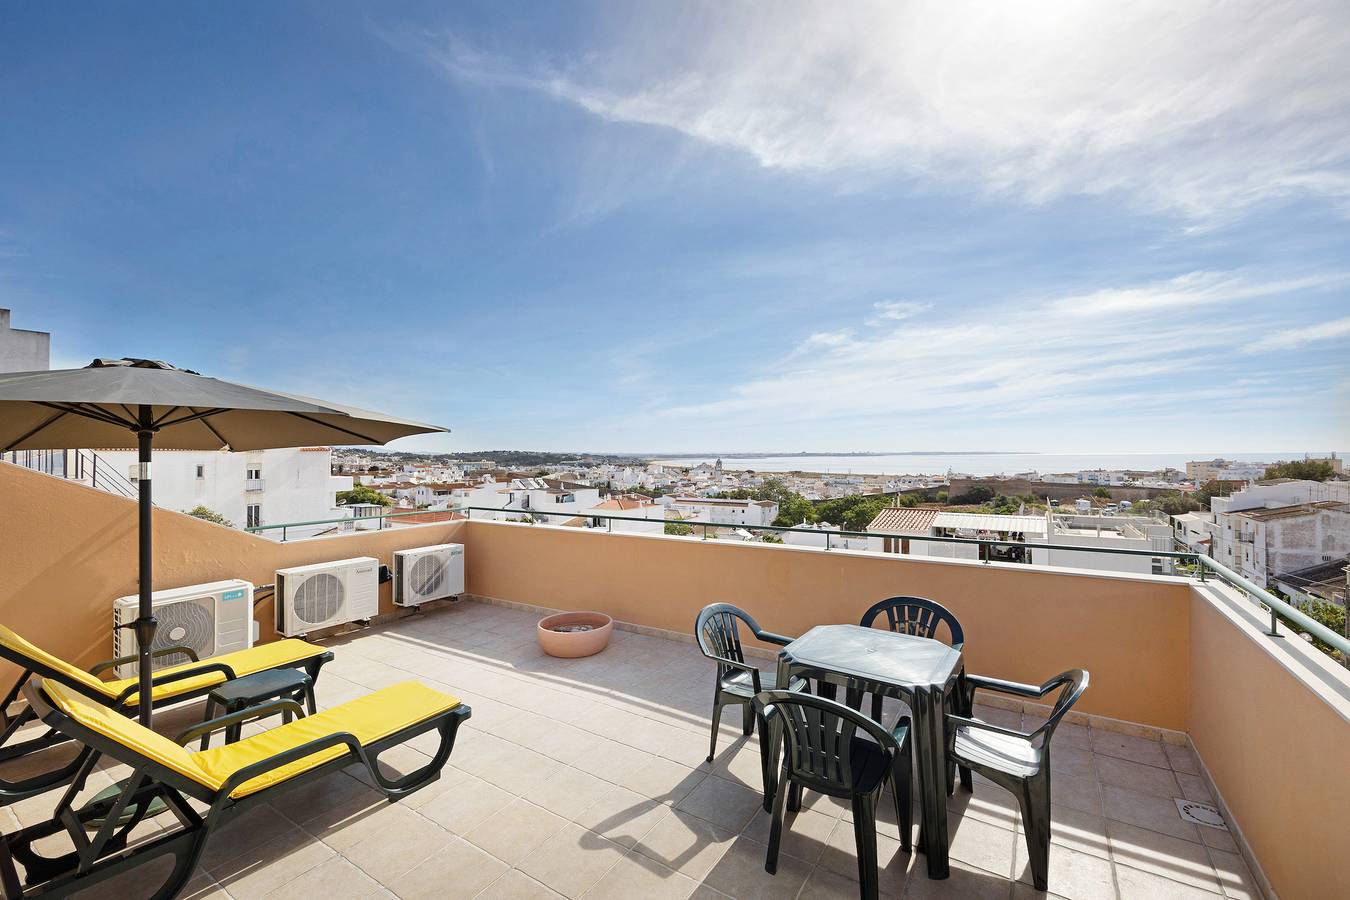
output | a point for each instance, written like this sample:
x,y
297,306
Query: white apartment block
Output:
x,y
22,350
1281,526
256,487
725,511
1201,471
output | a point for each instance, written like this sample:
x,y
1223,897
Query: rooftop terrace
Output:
x,y
587,777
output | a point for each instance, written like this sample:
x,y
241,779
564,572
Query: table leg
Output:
x,y
771,741
931,754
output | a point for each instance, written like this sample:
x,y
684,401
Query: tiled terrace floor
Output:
x,y
586,778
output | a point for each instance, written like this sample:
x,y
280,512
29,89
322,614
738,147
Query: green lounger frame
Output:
x,y
105,854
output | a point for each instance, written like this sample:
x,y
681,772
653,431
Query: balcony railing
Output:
x,y
1200,566
253,484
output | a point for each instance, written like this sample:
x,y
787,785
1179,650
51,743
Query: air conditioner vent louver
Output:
x,y
428,573
318,598
427,576
208,619
326,594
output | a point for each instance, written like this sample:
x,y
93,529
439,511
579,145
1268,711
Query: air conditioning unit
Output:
x,y
211,619
319,596
428,573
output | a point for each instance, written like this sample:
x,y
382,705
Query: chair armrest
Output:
x,y
176,676
974,682
771,638
240,717
987,726
135,657
318,745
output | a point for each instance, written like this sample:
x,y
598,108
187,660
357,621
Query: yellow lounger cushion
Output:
x,y
243,662
369,718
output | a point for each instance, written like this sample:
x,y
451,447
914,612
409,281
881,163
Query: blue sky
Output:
x,y
703,227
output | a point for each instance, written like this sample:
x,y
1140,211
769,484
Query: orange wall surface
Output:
x,y
67,551
1020,623
1278,752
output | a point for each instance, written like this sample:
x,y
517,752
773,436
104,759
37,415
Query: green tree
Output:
x,y
1173,504
1322,612
679,529
362,495
943,496
907,500
978,494
1101,492
1302,470
209,515
771,538
852,513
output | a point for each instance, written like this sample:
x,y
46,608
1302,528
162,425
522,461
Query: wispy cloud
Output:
x,y
1202,109
896,310
1293,338
1186,291
1026,360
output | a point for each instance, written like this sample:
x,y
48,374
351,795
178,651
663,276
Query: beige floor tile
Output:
x,y
471,802
1072,874
622,816
516,885
1193,787
722,802
332,879
1077,830
1134,884
457,871
1235,877
637,875
1126,746
686,843
1137,777
572,861
1147,811
805,834
841,858
664,780
740,873
515,830
1183,759
964,882
1076,792
1219,839
1160,854
981,845
826,885
254,828
263,869
567,791
988,802
396,849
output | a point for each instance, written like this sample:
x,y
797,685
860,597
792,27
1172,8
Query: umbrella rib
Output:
x,y
160,420
89,412
363,437
211,428
25,437
195,415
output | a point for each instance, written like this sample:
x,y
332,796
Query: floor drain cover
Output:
x,y
1200,813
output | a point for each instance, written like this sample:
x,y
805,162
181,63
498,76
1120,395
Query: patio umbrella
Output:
x,y
125,403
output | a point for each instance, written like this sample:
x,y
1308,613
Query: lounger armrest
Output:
x,y
156,681
318,745
123,660
986,726
240,717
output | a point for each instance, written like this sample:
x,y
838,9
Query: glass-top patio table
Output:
x,y
920,670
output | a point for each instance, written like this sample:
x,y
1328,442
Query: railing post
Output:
x,y
1274,623
705,531
827,540
283,534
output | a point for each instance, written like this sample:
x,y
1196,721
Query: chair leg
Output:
x,y
865,834
747,719
876,707
716,723
1034,800
776,821
902,789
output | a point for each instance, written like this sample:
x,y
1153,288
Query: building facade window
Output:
x,y
254,515
253,474
201,471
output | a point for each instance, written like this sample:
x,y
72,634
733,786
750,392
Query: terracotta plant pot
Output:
x,y
590,637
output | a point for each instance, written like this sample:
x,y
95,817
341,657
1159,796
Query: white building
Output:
x,y
1113,532
629,507
726,511
22,350
1281,526
1201,471
818,536
256,487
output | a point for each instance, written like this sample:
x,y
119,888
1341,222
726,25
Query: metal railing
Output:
x,y
77,465
1203,567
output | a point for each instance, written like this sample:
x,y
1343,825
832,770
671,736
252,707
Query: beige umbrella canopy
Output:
x,y
124,403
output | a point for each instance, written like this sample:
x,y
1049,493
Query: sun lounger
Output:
x,y
228,779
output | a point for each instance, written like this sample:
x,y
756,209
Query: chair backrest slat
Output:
x,y
719,634
915,615
820,738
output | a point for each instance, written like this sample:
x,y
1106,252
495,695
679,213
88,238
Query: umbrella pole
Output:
x,y
145,623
